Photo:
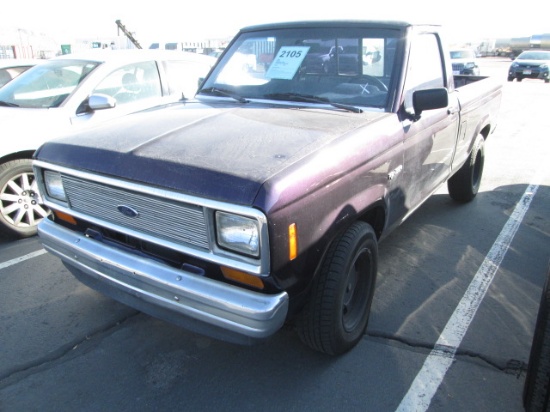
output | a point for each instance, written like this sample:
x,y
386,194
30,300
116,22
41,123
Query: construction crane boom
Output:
x,y
128,34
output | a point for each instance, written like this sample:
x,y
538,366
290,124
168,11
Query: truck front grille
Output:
x,y
458,67
159,217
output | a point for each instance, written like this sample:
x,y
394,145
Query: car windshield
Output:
x,y
313,65
46,85
462,54
534,55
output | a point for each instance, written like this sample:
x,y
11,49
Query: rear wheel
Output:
x,y
20,211
464,184
336,315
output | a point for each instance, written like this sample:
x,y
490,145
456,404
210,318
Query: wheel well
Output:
x,y
376,217
486,131
16,156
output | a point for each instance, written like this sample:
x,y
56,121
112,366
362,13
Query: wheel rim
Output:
x,y
356,295
19,202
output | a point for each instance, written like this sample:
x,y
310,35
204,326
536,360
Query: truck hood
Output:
x,y
222,152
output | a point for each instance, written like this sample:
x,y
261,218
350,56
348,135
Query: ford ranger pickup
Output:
x,y
262,201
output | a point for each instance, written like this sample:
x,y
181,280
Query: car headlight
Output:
x,y
544,66
514,65
238,233
470,65
54,185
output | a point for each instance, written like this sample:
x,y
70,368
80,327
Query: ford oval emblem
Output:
x,y
127,211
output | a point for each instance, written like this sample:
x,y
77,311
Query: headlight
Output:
x,y
470,65
544,66
238,233
515,64
54,185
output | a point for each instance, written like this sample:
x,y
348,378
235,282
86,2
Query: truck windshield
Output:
x,y
337,65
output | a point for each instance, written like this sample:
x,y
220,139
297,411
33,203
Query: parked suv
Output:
x,y
464,61
76,91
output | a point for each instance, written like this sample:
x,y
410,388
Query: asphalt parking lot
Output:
x,y
64,347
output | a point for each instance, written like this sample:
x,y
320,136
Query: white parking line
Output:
x,y
425,385
15,261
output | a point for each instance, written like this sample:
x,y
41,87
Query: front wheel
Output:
x,y
464,184
20,211
336,314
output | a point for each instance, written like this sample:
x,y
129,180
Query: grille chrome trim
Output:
x,y
170,220
458,66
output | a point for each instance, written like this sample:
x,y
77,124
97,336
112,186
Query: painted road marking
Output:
x,y
15,261
440,359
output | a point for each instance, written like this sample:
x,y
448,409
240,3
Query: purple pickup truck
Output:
x,y
262,201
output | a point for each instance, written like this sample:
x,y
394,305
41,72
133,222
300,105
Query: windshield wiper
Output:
x,y
297,97
215,90
8,104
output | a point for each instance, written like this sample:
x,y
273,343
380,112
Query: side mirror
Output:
x,y
101,101
429,99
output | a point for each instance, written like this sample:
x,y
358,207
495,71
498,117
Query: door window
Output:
x,y
131,83
425,69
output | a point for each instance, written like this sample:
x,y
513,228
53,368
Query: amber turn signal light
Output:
x,y
242,277
65,217
292,241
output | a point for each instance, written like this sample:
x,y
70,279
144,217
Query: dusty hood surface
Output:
x,y
218,152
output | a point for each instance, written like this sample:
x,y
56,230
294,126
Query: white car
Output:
x,y
464,61
74,91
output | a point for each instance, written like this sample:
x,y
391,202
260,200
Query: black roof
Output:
x,y
389,24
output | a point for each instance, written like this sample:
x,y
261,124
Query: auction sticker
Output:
x,y
287,62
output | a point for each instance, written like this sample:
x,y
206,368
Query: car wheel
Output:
x,y
464,184
20,211
335,317
537,380
510,78
519,79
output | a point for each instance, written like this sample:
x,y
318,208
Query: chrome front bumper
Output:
x,y
204,305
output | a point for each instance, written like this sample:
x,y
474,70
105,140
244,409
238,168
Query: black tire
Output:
x,y
336,315
537,380
510,78
20,211
464,184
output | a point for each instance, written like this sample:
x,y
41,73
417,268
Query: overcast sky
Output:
x,y
165,20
